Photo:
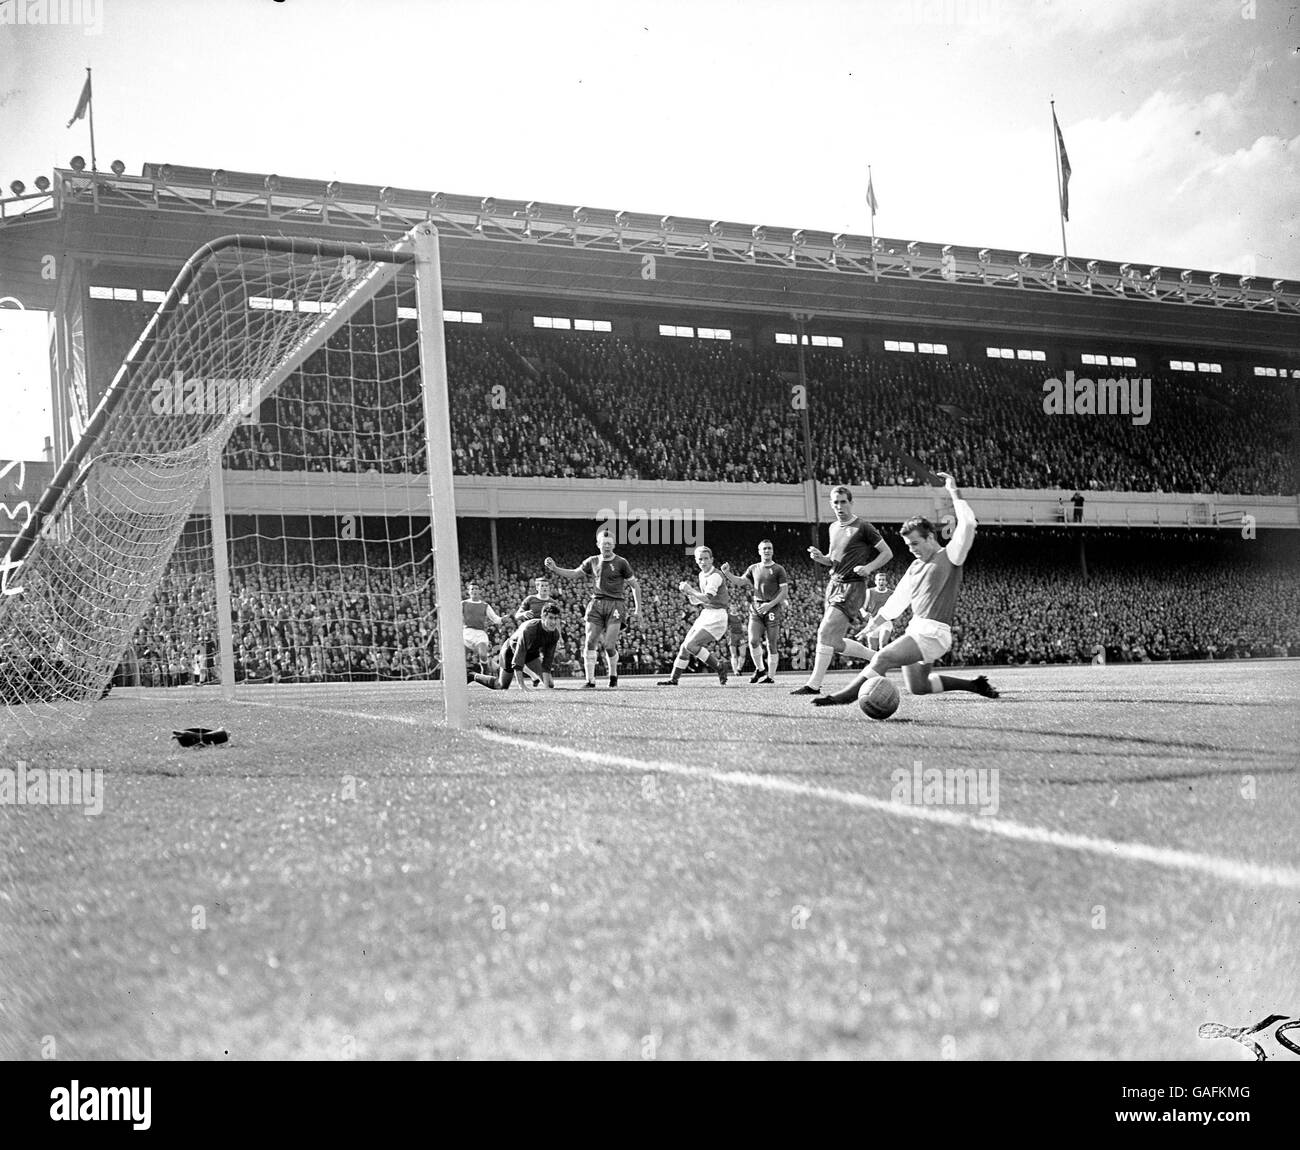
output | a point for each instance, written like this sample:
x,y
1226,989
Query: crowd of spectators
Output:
x,y
1147,595
593,406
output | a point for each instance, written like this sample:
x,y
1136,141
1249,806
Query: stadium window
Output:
x,y
940,349
891,345
263,303
592,325
113,293
715,333
552,322
152,295
1208,367
1088,358
453,316
410,313
925,348
100,292
1024,353
784,337
1001,353
673,330
1039,356
316,305
1179,365
906,345
1216,368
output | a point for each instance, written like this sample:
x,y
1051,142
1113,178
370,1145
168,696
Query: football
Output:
x,y
878,698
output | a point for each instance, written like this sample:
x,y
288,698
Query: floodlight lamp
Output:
x,y
1215,279
17,187
77,163
42,183
219,178
272,183
118,168
332,190
759,233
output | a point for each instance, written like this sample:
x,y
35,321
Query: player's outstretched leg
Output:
x,y
923,680
901,653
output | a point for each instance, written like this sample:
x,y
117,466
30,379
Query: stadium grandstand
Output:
x,y
726,373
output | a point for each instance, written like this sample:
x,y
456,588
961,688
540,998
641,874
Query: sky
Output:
x,y
1181,119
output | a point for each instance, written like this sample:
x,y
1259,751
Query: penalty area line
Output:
x,y
1230,870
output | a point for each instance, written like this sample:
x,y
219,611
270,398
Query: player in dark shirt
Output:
x,y
608,607
770,586
856,551
531,607
531,648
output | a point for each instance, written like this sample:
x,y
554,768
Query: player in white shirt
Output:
x,y
930,588
711,624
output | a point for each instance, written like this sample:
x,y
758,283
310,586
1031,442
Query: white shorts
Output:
x,y
474,638
883,632
934,639
712,621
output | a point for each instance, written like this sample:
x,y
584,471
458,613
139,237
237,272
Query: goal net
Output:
x,y
257,496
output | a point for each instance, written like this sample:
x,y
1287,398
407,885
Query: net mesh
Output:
x,y
283,364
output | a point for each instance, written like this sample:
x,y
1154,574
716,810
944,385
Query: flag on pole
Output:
x,y
83,102
1065,169
871,196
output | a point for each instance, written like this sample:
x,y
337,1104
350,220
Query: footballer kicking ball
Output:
x,y
878,698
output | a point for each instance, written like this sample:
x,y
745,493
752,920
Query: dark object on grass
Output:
x,y
201,736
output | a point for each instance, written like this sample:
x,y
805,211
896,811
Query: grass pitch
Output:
x,y
654,873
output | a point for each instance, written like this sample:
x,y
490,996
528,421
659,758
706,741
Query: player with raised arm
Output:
x,y
877,597
530,648
476,616
711,623
608,607
770,586
930,588
856,551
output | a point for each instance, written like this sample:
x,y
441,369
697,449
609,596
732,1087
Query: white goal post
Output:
x,y
99,559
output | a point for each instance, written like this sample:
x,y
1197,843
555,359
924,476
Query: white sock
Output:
x,y
936,683
821,664
855,650
589,662
757,653
612,660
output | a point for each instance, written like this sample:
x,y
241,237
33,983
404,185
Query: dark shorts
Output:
x,y
849,598
736,630
764,626
606,613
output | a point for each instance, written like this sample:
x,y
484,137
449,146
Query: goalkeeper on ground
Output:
x,y
531,648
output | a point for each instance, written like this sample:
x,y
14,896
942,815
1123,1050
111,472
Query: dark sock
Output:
x,y
849,693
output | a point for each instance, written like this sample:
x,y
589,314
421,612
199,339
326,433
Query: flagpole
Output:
x,y
90,107
1056,149
873,215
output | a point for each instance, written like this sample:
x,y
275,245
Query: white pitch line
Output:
x,y
1232,870
409,720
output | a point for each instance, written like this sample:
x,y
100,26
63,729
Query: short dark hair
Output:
x,y
551,609
767,543
918,523
841,489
